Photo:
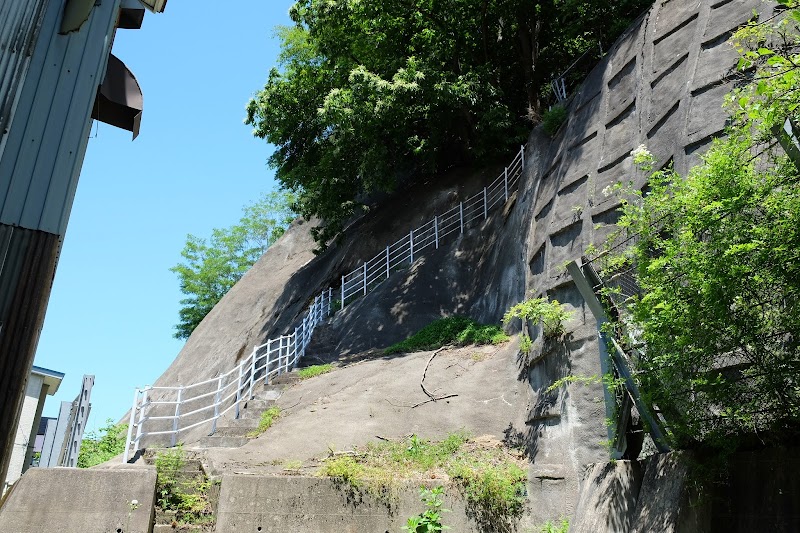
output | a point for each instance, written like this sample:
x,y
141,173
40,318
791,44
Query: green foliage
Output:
x,y
491,478
452,330
430,520
550,314
366,92
98,447
553,118
717,258
180,492
210,268
314,370
559,526
268,417
525,344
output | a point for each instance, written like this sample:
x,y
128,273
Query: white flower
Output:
x,y
608,190
134,502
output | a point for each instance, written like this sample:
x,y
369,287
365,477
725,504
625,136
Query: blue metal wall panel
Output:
x,y
20,21
40,165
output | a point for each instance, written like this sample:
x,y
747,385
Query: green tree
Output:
x,y
210,268
366,92
100,446
717,256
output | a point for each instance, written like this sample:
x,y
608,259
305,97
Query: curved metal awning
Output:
x,y
119,99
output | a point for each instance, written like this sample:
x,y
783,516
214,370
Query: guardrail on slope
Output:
x,y
168,411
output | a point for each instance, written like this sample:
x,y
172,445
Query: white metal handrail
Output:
x,y
172,410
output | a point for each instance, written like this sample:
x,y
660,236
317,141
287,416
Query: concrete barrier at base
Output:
x,y
269,504
71,500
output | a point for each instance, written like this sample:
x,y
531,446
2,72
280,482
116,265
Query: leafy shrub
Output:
x,y
560,526
550,314
98,447
553,118
452,330
430,520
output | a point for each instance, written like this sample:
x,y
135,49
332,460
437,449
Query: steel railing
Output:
x,y
169,411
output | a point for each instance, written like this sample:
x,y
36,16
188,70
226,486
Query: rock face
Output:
x,y
661,85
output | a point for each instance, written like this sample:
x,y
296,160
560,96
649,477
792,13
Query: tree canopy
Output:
x,y
366,92
210,268
717,257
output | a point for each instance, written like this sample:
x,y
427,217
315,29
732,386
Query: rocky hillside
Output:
x,y
661,85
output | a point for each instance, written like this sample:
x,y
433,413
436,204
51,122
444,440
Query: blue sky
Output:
x,y
194,166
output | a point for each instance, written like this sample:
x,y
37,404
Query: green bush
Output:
x,y
551,315
98,447
430,520
458,330
553,118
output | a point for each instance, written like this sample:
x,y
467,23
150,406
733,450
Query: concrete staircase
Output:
x,y
232,433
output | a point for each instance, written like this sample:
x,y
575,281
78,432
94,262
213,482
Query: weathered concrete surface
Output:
x,y
608,497
687,492
355,404
71,500
272,504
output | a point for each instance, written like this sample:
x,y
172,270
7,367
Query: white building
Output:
x,y
41,383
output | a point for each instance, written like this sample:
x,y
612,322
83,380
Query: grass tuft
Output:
x,y
314,370
452,330
491,478
267,419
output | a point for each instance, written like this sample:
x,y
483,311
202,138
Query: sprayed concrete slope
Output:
x,y
661,85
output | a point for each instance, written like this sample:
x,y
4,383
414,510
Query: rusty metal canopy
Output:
x,y
119,99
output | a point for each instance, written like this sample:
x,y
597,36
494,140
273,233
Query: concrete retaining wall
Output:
x,y
686,492
71,500
271,504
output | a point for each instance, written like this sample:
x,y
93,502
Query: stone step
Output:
x,y
290,378
215,441
242,422
234,431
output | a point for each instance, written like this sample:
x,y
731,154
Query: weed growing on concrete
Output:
x,y
314,370
457,330
490,476
179,492
553,118
267,419
559,526
430,520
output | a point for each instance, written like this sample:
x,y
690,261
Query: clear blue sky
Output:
x,y
193,167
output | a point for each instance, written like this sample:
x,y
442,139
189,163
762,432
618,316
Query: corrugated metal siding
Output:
x,y
20,21
44,152
27,265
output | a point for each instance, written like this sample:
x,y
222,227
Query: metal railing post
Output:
x,y
294,347
177,416
216,405
239,389
141,414
365,278
436,230
461,215
130,426
342,292
505,182
387,262
252,373
485,204
522,157
330,300
269,362
411,242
